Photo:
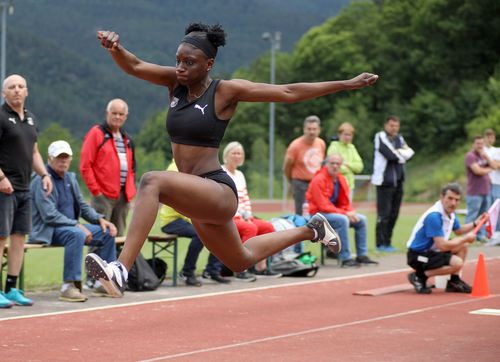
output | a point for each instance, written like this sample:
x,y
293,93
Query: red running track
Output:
x,y
315,320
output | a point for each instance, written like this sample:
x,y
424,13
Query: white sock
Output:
x,y
65,287
124,270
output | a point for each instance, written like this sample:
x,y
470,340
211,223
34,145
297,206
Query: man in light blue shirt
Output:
x,y
56,221
432,252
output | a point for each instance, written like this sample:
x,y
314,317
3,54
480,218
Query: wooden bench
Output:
x,y
119,241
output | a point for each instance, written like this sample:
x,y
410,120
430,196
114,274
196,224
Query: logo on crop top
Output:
x,y
197,106
174,102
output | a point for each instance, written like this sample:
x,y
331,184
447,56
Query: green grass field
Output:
x,y
43,268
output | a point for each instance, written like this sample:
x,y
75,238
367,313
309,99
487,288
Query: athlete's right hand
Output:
x,y
109,39
362,80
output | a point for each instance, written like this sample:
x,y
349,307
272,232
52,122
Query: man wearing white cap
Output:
x,y
55,221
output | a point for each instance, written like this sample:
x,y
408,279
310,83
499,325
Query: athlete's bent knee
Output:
x,y
149,179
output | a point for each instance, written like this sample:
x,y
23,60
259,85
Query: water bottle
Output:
x,y
305,210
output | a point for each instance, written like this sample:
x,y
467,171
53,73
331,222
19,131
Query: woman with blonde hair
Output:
x,y
352,162
248,226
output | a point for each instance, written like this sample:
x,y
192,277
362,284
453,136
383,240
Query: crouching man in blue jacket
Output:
x,y
56,221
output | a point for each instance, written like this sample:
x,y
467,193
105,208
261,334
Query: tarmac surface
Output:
x,y
48,303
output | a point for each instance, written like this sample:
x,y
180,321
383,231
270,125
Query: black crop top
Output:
x,y
195,123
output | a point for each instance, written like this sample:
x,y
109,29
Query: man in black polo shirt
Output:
x,y
18,157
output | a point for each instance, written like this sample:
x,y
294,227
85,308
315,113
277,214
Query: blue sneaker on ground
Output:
x,y
17,296
381,249
4,302
391,249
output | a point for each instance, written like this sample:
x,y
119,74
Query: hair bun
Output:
x,y
215,33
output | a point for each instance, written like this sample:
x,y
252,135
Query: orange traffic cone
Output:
x,y
480,286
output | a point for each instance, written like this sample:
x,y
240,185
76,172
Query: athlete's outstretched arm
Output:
x,y
131,64
246,91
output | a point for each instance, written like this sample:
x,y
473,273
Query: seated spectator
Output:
x,y
432,252
175,223
352,162
248,225
56,222
328,193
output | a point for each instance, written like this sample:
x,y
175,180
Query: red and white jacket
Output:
x,y
321,189
100,165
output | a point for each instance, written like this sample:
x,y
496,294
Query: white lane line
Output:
x,y
486,311
316,330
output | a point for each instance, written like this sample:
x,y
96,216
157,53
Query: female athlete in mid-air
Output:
x,y
199,111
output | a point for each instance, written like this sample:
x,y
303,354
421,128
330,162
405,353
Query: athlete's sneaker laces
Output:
x,y
325,233
112,276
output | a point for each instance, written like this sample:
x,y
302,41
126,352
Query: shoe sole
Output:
x,y
268,276
249,280
29,304
227,281
453,290
98,271
368,264
334,248
72,300
192,284
220,281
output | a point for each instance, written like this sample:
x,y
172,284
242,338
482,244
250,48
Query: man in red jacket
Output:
x,y
107,165
328,193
